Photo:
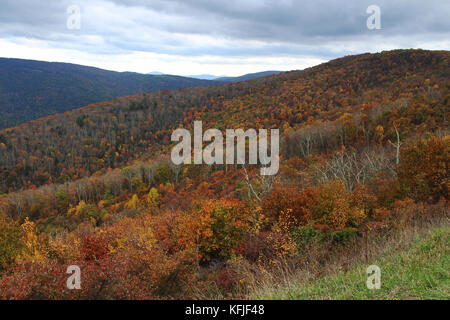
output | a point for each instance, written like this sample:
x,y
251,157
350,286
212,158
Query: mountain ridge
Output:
x,y
31,89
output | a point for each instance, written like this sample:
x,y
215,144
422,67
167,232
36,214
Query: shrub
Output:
x,y
10,241
305,235
345,235
423,171
164,173
336,207
214,228
93,247
290,204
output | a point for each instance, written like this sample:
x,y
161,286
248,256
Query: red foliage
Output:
x,y
93,247
291,204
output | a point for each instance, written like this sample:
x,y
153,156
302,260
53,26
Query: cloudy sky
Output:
x,y
230,37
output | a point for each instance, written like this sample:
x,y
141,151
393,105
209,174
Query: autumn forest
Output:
x,y
364,156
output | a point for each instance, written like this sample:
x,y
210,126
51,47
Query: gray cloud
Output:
x,y
231,28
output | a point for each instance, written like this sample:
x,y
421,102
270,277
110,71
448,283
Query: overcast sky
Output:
x,y
230,37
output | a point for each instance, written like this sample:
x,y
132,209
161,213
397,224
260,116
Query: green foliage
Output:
x,y
62,200
306,235
10,241
345,235
108,196
80,120
164,173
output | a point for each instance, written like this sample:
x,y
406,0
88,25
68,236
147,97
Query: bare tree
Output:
x,y
397,146
263,187
353,168
176,169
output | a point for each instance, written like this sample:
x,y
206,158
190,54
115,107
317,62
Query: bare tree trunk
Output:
x,y
397,146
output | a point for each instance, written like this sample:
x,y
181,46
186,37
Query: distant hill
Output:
x,y
33,89
246,77
225,79
156,73
204,76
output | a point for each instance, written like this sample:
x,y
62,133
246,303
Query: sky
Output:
x,y
231,37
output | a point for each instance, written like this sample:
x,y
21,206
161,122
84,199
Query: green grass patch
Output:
x,y
419,272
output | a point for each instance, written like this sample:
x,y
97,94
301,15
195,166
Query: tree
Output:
x,y
397,146
11,243
153,197
423,172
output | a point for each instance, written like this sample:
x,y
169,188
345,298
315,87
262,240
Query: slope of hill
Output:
x,y
364,155
33,89
120,130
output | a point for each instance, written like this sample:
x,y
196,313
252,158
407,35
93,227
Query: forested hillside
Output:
x,y
364,154
33,89
408,87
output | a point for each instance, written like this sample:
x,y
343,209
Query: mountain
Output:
x,y
364,155
32,89
204,76
225,79
247,76
156,73
125,129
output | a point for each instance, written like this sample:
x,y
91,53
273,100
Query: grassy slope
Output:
x,y
420,272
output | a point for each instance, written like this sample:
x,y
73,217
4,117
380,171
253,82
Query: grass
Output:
x,y
420,271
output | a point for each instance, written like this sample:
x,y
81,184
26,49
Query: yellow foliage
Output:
x,y
336,208
379,133
34,249
146,238
77,210
101,204
65,248
133,203
153,197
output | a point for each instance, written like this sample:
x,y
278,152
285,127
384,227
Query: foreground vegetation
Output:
x,y
419,272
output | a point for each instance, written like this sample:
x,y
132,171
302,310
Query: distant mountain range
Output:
x,y
225,78
32,89
205,76
246,77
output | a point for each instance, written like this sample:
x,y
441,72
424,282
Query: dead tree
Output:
x,y
265,183
396,146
